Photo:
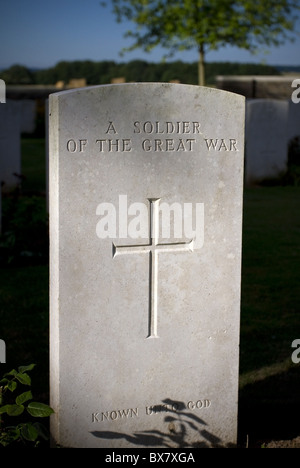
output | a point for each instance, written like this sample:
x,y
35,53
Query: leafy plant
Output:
x,y
23,432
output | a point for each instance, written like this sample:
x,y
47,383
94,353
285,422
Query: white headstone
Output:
x,y
266,139
47,152
2,92
10,145
146,189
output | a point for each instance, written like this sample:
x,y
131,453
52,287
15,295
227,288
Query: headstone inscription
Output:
x,y
146,184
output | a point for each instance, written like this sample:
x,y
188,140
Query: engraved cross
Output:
x,y
153,248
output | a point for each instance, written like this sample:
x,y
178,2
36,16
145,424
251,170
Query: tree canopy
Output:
x,y
17,74
207,24
97,73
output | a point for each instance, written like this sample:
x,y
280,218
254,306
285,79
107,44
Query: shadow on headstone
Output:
x,y
161,313
179,423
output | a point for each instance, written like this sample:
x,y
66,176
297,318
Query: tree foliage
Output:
x,y
207,25
97,73
18,74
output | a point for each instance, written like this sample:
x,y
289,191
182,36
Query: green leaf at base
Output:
x,y
39,410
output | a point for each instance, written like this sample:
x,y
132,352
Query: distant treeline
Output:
x,y
137,70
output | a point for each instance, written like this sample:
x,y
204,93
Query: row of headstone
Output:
x,y
16,117
258,87
146,190
270,126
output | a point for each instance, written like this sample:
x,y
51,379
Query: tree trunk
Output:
x,y
201,66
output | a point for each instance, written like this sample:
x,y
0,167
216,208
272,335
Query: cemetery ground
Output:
x,y
269,381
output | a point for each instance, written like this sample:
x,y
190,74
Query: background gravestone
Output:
x,y
293,121
16,117
10,145
2,92
145,331
266,139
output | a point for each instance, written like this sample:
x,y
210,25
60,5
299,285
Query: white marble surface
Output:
x,y
144,335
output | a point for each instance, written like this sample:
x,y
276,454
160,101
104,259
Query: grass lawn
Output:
x,y
269,382
270,276
34,165
270,320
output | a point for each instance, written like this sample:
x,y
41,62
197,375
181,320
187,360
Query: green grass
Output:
x,y
24,321
270,276
24,290
269,382
270,320
34,165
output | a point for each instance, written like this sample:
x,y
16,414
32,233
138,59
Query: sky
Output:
x,y
41,33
